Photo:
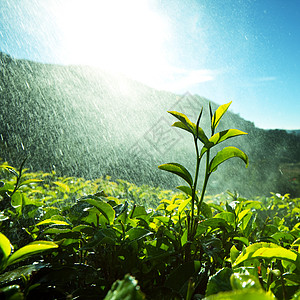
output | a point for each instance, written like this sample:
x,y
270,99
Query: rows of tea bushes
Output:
x,y
69,238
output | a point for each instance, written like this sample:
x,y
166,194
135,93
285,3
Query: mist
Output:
x,y
86,122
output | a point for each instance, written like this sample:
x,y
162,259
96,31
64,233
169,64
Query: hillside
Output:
x,y
85,122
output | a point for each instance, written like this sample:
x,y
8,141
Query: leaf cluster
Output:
x,y
71,238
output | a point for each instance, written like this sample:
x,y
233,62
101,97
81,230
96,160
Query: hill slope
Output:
x,y
86,122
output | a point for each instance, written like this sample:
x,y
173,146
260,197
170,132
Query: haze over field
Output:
x,y
78,121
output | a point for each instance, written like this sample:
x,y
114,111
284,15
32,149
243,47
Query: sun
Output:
x,y
119,36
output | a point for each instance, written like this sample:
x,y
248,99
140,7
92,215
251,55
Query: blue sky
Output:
x,y
247,51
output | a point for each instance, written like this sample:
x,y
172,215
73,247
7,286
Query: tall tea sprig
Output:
x,y
211,165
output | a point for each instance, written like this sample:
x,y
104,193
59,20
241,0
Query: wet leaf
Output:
x,y
178,170
106,209
225,154
51,221
243,281
30,250
219,282
219,137
5,250
65,188
242,294
219,114
267,251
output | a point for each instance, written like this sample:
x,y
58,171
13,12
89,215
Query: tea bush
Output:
x,y
71,238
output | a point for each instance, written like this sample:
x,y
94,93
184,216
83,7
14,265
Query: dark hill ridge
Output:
x,y
86,122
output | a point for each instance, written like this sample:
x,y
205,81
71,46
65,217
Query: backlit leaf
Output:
x,y
29,181
30,250
189,126
225,154
183,205
247,294
219,282
267,251
219,114
178,170
106,209
5,249
65,188
51,221
219,137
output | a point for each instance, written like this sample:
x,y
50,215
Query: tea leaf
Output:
x,y
5,250
178,170
183,205
107,211
50,221
225,154
63,186
267,250
219,114
242,294
219,137
184,120
219,282
243,281
30,250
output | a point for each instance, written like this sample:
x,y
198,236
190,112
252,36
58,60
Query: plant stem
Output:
x,y
205,179
194,189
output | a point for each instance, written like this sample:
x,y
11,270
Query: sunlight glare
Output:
x,y
119,36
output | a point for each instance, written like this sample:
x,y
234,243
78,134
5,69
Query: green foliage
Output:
x,y
126,289
71,238
211,164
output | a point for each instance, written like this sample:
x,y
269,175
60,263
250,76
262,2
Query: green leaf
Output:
x,y
30,250
183,126
171,207
244,281
189,126
87,229
102,236
186,189
65,188
229,217
206,210
199,134
138,212
137,233
5,250
183,205
219,282
225,154
242,239
219,114
178,279
51,221
234,253
29,181
106,209
267,251
12,292
178,170
221,137
247,294
215,223
125,289
16,199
